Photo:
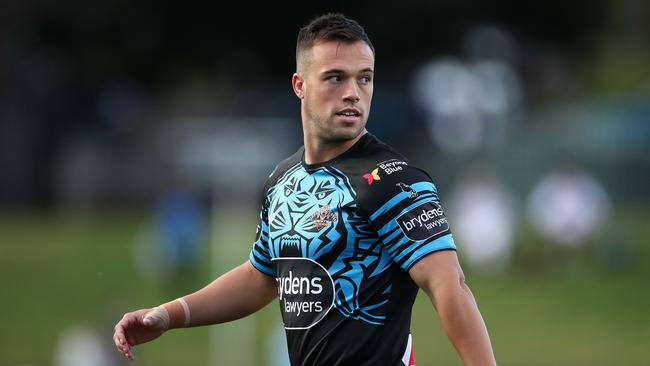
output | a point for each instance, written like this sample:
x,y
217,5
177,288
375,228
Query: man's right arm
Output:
x,y
234,295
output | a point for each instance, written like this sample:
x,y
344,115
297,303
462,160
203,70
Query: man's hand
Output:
x,y
139,327
240,292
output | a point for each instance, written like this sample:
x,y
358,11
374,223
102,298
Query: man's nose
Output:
x,y
351,91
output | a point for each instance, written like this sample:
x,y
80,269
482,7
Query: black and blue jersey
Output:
x,y
339,238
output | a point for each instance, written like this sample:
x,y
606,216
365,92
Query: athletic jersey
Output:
x,y
339,238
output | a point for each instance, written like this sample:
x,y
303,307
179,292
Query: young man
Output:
x,y
348,232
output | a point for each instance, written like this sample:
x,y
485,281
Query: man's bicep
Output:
x,y
262,280
436,270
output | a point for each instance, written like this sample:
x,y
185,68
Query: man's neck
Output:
x,y
317,151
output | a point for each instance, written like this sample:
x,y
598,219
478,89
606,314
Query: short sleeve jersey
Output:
x,y
339,238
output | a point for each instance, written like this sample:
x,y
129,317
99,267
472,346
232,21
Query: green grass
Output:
x,y
598,321
61,271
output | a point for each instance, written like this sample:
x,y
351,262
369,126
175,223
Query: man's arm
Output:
x,y
441,277
236,294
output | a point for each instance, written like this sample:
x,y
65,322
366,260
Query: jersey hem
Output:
x,y
261,269
426,254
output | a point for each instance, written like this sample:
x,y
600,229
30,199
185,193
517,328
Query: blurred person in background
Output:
x,y
179,227
348,233
482,209
169,248
568,205
80,345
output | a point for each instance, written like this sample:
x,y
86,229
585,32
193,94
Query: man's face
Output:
x,y
335,82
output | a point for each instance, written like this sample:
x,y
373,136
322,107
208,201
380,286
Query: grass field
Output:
x,y
61,271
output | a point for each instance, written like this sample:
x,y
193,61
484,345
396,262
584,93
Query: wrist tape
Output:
x,y
179,313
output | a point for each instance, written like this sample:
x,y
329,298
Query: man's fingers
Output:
x,y
122,346
132,324
125,350
121,343
120,337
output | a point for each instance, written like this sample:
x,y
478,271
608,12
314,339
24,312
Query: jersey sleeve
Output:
x,y
260,257
404,208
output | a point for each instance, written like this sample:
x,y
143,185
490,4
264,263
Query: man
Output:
x,y
348,232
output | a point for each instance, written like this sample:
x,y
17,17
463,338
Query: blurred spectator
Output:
x,y
482,219
568,205
169,249
178,223
469,104
82,346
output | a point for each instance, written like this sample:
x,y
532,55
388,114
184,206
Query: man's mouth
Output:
x,y
349,112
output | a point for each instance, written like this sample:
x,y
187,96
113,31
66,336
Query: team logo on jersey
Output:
x,y
408,189
322,217
305,290
423,221
372,176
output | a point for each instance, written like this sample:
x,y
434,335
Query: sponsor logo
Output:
x,y
423,221
388,167
305,290
391,166
372,176
408,189
322,217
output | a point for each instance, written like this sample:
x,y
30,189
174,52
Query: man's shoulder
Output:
x,y
379,172
379,159
376,150
283,166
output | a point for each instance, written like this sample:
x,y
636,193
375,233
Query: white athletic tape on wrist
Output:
x,y
186,310
160,316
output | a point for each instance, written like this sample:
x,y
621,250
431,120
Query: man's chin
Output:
x,y
345,134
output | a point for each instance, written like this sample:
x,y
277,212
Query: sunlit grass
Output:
x,y
61,271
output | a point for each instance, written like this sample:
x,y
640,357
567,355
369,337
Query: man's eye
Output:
x,y
365,79
334,78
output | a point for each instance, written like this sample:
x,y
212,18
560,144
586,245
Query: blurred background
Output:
x,y
135,139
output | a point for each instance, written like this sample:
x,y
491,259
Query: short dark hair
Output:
x,y
331,27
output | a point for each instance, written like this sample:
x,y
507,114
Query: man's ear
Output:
x,y
298,85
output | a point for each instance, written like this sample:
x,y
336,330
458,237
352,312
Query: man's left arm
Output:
x,y
439,274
